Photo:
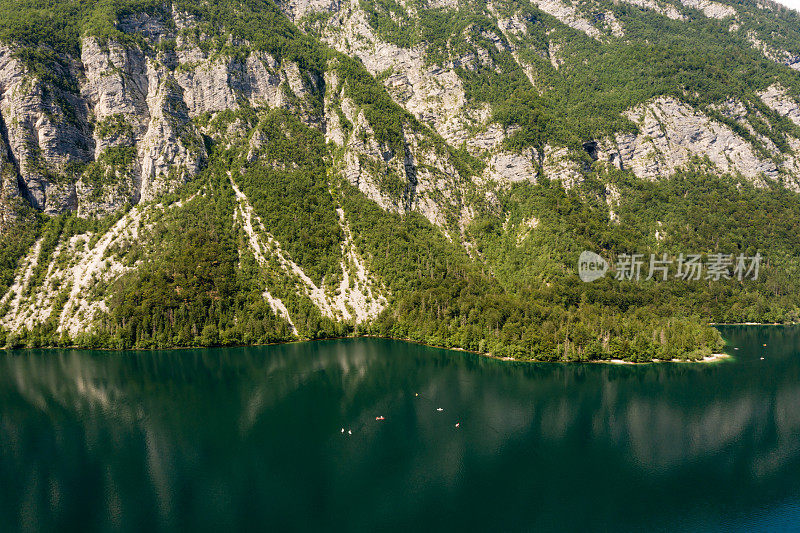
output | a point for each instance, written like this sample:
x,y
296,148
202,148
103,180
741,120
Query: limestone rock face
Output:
x,y
9,188
506,166
128,120
140,114
297,9
171,149
432,93
776,99
118,124
659,7
671,133
45,133
569,15
414,179
710,8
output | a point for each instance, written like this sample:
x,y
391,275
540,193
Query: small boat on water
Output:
x,y
379,418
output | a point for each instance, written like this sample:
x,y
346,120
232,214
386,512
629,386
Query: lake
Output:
x,y
250,439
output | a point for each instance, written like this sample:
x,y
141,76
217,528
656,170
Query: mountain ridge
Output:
x,y
193,172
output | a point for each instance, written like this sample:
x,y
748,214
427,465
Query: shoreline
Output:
x,y
714,357
753,324
708,359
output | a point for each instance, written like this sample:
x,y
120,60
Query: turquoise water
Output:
x,y
249,439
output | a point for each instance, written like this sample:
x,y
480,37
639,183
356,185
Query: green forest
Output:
x,y
506,290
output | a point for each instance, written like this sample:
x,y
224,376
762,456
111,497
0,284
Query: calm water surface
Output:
x,y
250,439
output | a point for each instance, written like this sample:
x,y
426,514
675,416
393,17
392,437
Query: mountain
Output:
x,y
199,172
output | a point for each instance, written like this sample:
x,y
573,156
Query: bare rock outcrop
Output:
x,y
710,8
172,149
117,125
671,132
9,187
776,99
414,175
659,7
45,130
432,93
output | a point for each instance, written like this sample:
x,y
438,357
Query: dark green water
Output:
x,y
250,439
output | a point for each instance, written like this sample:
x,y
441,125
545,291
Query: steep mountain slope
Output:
x,y
204,172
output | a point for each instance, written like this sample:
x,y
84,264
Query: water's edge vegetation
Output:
x,y
698,356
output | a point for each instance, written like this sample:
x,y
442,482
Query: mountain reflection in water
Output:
x,y
251,439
